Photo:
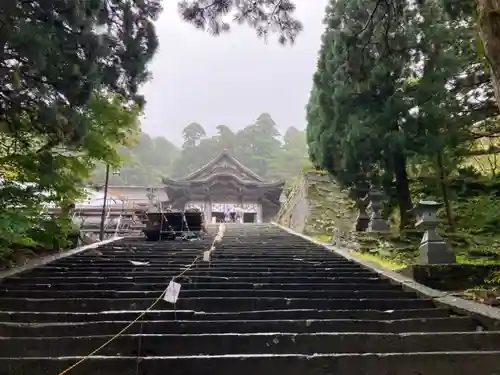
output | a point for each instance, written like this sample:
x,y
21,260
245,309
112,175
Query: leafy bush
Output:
x,y
478,215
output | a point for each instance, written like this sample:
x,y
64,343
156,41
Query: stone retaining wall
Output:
x,y
316,205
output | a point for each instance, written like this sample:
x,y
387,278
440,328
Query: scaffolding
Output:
x,y
164,223
126,219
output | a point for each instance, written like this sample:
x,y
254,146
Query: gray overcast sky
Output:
x,y
229,79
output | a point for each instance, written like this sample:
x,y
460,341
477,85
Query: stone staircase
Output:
x,y
270,303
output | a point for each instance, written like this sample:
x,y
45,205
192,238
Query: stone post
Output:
x,y
361,203
377,222
433,249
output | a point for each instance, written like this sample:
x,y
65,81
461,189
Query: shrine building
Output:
x,y
222,185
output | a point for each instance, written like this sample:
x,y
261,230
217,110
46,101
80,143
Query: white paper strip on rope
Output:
x,y
172,292
212,248
218,238
207,256
135,263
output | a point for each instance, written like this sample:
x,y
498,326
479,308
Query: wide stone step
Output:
x,y
201,267
267,303
216,258
213,272
246,343
191,276
177,248
476,362
243,293
157,314
209,304
310,258
279,251
203,285
166,261
111,327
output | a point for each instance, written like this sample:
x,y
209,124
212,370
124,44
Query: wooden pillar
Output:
x,y
208,210
259,211
242,213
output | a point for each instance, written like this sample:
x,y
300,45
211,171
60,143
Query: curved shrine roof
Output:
x,y
223,166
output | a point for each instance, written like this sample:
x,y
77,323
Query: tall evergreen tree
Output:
x,y
56,54
382,98
483,15
192,134
265,16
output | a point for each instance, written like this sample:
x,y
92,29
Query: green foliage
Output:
x,y
192,134
385,262
35,177
257,146
55,55
292,156
55,232
69,75
265,16
478,215
144,162
386,98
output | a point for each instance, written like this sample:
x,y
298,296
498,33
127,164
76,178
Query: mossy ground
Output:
x,y
383,262
395,252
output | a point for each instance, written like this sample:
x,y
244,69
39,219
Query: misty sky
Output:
x,y
229,79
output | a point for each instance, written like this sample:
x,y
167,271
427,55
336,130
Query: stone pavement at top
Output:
x,y
270,303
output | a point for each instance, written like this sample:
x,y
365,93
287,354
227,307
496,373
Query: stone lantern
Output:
x,y
433,249
377,222
361,202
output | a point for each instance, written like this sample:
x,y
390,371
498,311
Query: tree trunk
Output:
x,y
489,32
443,183
402,189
